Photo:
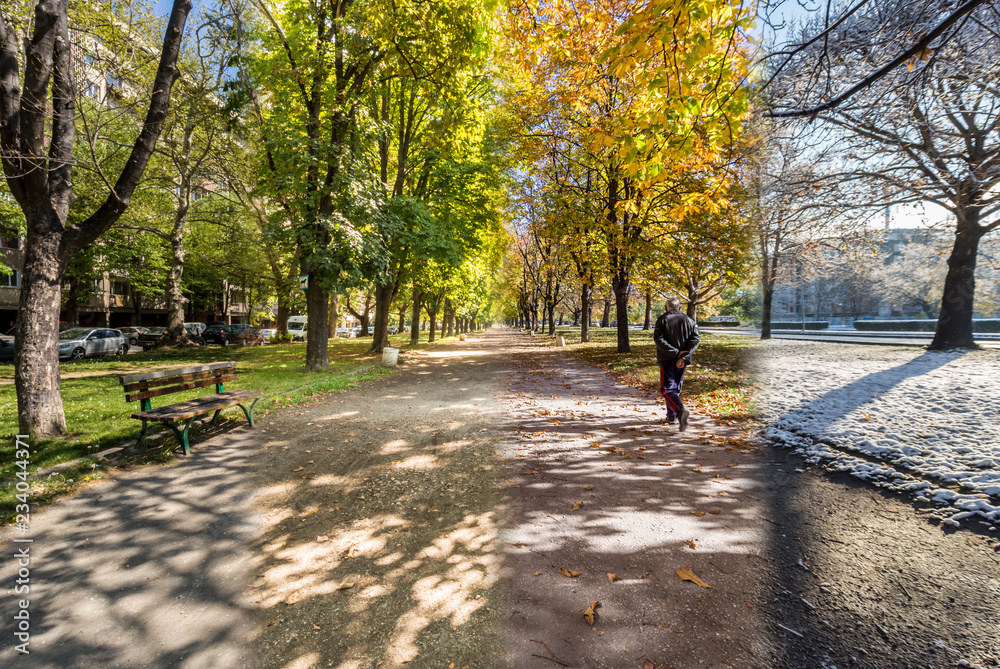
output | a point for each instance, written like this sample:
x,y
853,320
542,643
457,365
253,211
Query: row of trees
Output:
x,y
354,143
859,108
630,119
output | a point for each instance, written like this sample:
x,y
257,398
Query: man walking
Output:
x,y
676,338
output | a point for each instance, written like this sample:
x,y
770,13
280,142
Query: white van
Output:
x,y
297,327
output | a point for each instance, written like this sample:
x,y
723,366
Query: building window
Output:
x,y
12,280
12,242
119,287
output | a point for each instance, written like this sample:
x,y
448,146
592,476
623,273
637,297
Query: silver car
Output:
x,y
79,343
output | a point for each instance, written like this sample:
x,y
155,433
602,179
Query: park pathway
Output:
x,y
608,505
464,512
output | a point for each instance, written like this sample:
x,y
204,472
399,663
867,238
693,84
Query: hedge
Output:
x,y
797,325
719,324
923,325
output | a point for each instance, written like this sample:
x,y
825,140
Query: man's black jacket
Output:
x,y
674,332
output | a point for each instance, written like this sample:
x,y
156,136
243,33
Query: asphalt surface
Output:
x,y
857,337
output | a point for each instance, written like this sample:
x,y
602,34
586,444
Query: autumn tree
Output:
x,y
606,76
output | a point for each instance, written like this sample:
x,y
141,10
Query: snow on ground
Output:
x,y
916,421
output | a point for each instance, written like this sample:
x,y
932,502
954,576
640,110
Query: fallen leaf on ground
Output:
x,y
316,627
538,573
686,574
292,598
346,585
567,573
589,613
298,469
612,577
698,513
713,511
321,539
577,506
691,543
696,469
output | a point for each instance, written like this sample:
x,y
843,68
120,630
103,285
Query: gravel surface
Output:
x,y
926,423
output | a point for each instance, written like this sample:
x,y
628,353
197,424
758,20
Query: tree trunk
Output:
x,y
36,355
692,305
402,321
954,326
175,333
605,319
552,320
283,311
649,310
317,311
585,305
384,295
765,316
431,329
73,302
415,317
620,288
449,318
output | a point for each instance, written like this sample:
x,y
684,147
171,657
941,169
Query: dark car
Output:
x,y
148,339
6,349
222,335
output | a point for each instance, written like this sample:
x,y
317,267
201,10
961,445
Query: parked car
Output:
x,y
267,334
194,333
132,334
148,339
6,349
79,343
297,327
346,333
248,337
221,335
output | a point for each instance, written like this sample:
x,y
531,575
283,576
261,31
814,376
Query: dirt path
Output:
x,y
421,520
601,488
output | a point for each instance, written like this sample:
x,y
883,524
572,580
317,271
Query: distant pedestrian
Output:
x,y
676,337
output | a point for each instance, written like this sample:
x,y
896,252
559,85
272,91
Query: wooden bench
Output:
x,y
142,387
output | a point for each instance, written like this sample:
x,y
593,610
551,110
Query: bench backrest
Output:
x,y
142,387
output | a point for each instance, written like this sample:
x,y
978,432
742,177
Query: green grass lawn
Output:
x,y
98,417
717,383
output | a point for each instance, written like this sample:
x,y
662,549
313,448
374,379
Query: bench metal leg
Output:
x,y
182,435
249,412
142,435
215,417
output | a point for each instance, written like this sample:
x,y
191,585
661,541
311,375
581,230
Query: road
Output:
x,y
856,337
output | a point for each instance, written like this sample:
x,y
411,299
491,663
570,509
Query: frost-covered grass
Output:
x,y
922,422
